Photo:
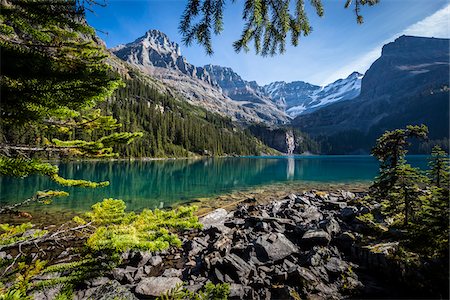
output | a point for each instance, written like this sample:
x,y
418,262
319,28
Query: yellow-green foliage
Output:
x,y
210,291
50,194
366,218
77,182
149,230
21,283
10,234
109,211
21,167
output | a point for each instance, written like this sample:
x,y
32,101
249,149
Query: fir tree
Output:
x,y
399,184
439,168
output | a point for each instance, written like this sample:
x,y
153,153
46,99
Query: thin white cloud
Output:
x,y
436,25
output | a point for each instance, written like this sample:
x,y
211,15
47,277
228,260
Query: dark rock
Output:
x,y
306,275
345,241
223,244
310,214
262,226
48,293
219,275
315,237
334,205
336,265
139,259
235,222
274,247
363,210
330,291
236,268
303,200
331,226
155,286
348,213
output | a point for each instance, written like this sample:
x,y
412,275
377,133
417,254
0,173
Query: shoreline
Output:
x,y
229,200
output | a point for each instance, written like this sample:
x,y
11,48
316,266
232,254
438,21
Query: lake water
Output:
x,y
165,182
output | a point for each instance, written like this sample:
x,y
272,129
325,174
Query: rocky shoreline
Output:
x,y
301,246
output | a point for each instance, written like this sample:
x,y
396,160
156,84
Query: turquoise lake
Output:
x,y
161,183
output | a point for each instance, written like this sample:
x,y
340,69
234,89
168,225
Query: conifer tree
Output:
x,y
439,168
267,22
398,184
431,230
53,75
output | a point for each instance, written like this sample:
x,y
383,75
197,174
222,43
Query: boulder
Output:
x,y
154,260
336,265
348,195
172,273
303,200
334,205
124,275
139,259
348,213
215,219
274,247
155,286
331,226
315,237
236,268
109,290
310,214
344,241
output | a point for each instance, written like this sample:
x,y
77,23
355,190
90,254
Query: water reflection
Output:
x,y
155,184
290,168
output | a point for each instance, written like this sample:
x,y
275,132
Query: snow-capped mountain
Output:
x,y
234,86
300,97
156,55
154,49
222,90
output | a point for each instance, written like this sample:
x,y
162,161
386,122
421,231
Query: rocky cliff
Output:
x,y
408,84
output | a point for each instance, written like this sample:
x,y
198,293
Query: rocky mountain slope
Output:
x,y
300,97
408,84
156,55
222,90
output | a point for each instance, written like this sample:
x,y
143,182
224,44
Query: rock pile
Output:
x,y
297,245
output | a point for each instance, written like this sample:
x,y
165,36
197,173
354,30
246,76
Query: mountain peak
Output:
x,y
154,49
355,74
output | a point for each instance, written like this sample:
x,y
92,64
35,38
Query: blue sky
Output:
x,y
336,47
